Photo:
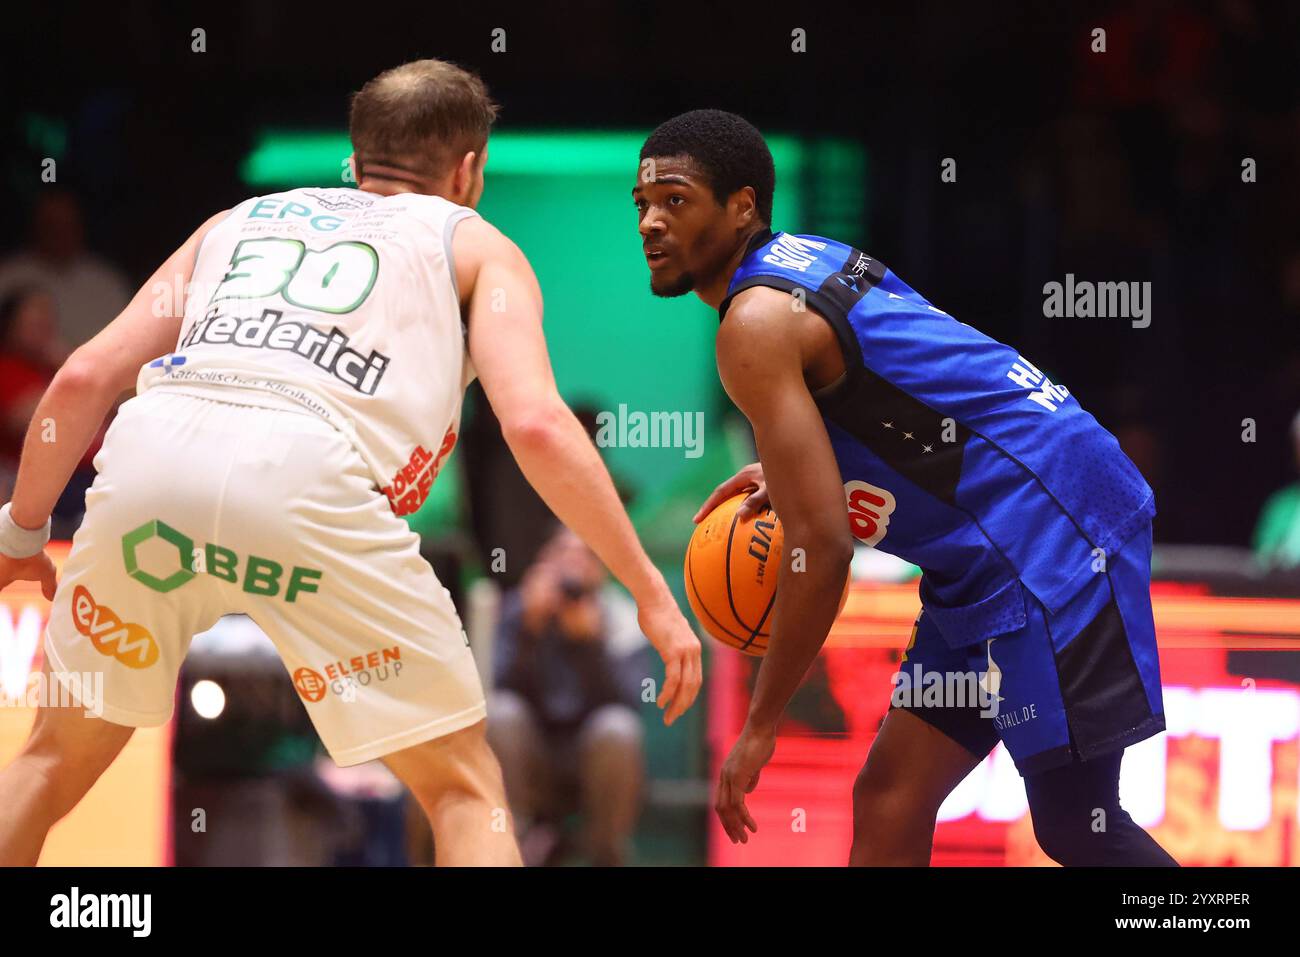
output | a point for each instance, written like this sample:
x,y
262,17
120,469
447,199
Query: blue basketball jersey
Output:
x,y
956,452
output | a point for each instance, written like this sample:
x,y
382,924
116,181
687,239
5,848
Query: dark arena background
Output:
x,y
1000,156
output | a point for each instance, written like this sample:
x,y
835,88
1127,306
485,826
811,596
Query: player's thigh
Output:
x,y
370,637
912,763
925,748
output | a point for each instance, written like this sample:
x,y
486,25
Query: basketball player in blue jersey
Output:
x,y
950,450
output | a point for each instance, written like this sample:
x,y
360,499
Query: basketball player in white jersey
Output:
x,y
302,401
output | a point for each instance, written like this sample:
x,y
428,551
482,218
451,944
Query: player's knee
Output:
x,y
452,770
65,767
1067,837
1096,837
881,796
1058,808
1079,822
1076,827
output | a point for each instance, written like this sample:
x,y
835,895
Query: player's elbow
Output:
x,y
535,428
83,375
821,542
839,547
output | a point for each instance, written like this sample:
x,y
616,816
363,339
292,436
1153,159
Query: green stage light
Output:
x,y
286,158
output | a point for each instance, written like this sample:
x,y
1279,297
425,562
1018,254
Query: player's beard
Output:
x,y
673,288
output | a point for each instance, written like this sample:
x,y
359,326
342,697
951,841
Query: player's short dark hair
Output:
x,y
422,116
727,148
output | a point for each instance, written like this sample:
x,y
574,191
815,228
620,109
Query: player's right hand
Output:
x,y
751,476
37,568
678,646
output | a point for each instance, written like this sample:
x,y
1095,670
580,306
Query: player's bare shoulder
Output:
x,y
476,244
763,308
766,327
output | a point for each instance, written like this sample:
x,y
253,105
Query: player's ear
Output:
x,y
463,181
352,167
744,203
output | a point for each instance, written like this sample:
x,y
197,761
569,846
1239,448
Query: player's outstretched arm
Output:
x,y
552,448
74,406
761,368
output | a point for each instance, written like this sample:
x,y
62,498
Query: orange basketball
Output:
x,y
731,574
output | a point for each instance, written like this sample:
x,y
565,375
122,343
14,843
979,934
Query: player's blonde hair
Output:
x,y
422,116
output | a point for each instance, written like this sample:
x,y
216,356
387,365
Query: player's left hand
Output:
x,y
678,646
37,568
739,776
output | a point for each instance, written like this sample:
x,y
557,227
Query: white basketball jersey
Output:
x,y
343,302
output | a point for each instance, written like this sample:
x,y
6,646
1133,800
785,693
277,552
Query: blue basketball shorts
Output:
x,y
1066,686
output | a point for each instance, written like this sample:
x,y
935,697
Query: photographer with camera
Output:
x,y
563,719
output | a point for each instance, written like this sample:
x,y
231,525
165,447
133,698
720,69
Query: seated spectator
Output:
x,y
30,354
1277,533
88,291
563,718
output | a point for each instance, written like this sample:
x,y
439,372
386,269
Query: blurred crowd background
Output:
x,y
1124,165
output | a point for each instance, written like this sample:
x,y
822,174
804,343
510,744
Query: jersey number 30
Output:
x,y
336,279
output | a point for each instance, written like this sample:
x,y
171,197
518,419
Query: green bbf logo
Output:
x,y
261,576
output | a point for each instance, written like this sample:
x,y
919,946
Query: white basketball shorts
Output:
x,y
204,508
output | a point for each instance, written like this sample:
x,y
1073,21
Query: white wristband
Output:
x,y
19,542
